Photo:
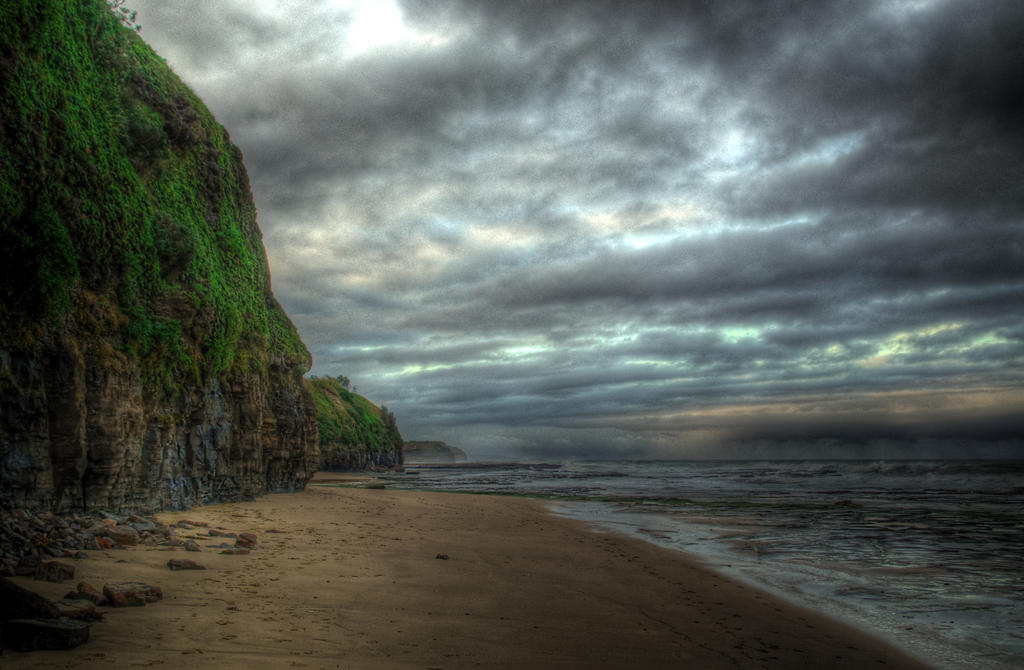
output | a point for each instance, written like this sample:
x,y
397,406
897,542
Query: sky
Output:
x,y
547,230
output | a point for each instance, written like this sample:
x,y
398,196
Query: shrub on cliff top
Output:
x,y
348,419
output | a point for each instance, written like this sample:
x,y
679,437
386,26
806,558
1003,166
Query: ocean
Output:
x,y
927,554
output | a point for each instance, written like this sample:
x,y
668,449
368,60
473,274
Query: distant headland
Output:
x,y
432,452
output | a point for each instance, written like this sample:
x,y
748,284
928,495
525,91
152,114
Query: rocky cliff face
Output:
x,y
144,362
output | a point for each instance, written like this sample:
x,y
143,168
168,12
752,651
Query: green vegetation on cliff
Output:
x,y
124,208
144,362
354,433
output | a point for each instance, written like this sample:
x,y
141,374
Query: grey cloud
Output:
x,y
574,219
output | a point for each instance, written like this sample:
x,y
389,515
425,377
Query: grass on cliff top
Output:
x,y
124,207
348,419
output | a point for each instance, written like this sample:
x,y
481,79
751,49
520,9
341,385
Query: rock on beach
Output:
x,y
246,540
54,571
131,594
184,564
33,634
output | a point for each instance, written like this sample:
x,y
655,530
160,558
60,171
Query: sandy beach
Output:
x,y
352,578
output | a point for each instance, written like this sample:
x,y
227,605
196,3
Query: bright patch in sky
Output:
x,y
908,342
831,149
379,23
525,351
738,334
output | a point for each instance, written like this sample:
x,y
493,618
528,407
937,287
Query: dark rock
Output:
x,y
184,564
17,602
80,555
52,634
238,551
246,540
77,608
131,594
214,532
74,595
30,561
53,571
123,535
443,557
89,592
165,530
192,545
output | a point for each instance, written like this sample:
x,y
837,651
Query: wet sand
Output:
x,y
354,581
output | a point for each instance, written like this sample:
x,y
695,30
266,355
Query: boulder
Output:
x,y
32,634
123,535
87,591
246,540
17,602
54,571
131,594
75,608
28,564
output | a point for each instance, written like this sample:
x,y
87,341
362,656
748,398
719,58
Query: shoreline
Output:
x,y
354,580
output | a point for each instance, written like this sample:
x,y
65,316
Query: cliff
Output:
x,y
144,362
433,452
355,434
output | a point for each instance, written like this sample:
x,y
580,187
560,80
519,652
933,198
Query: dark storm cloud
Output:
x,y
630,227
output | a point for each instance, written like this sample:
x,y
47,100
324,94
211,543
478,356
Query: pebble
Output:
x,y
184,564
